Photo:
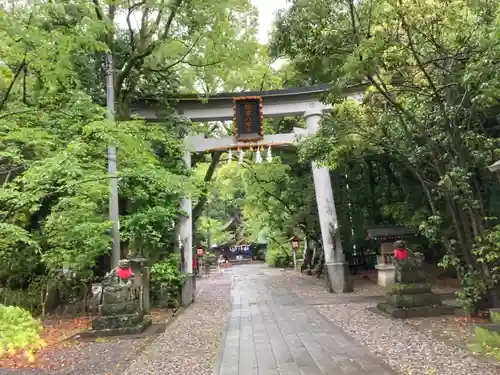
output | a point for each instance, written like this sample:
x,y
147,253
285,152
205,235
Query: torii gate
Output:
x,y
273,103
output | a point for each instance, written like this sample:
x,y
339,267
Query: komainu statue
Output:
x,y
408,265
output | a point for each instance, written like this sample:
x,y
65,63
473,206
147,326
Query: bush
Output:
x,y
28,299
277,256
478,284
19,331
209,258
167,281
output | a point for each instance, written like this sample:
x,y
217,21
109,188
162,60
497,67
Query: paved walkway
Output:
x,y
272,332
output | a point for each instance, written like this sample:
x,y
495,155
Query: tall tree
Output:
x,y
429,107
175,38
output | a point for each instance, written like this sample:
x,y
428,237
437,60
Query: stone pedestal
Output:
x,y
121,312
413,300
188,290
385,274
338,278
411,296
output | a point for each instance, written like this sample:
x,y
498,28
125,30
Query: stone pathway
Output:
x,y
254,320
271,332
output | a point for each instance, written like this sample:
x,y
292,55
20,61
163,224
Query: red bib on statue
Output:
x,y
124,274
400,254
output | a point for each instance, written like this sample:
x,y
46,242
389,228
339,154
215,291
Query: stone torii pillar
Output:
x,y
185,233
186,224
336,268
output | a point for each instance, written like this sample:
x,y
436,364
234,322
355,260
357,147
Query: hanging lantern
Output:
x,y
269,157
241,156
229,156
258,158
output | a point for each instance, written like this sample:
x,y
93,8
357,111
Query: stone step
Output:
x,y
414,312
495,316
488,334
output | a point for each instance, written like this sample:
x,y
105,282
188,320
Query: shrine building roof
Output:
x,y
388,233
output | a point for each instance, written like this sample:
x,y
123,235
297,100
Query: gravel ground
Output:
x,y
402,347
407,350
190,344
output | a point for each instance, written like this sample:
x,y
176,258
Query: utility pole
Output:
x,y
114,214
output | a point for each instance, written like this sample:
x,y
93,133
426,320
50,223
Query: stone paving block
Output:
x,y
350,367
288,368
249,371
303,358
228,370
321,357
281,351
293,341
269,372
266,361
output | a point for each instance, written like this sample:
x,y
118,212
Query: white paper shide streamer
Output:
x,y
269,157
258,158
241,156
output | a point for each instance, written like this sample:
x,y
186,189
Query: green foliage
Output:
x,y
167,272
476,285
277,256
209,258
279,251
486,350
473,291
54,183
19,331
213,228
276,197
167,281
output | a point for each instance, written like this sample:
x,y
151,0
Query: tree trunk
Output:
x,y
200,205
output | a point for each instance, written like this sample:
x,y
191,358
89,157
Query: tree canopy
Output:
x,y
426,129
54,133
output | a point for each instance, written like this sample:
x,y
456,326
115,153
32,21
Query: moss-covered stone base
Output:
x,y
117,321
415,312
488,334
495,316
414,300
120,308
144,324
417,288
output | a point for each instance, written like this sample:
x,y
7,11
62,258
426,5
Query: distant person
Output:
x,y
195,265
221,261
